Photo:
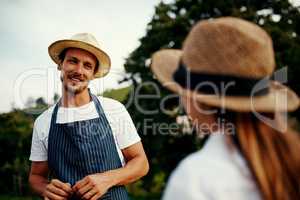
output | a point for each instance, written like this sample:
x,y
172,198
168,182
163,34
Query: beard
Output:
x,y
74,87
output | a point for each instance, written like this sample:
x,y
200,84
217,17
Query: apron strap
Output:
x,y
97,104
54,113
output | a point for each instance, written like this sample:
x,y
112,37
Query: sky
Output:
x,y
28,27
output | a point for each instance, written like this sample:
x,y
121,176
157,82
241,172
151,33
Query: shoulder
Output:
x,y
111,105
109,101
188,180
186,169
192,172
43,119
212,173
202,169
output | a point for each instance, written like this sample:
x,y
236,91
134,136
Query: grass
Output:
x,y
118,94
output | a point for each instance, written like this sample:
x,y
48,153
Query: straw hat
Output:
x,y
85,41
224,51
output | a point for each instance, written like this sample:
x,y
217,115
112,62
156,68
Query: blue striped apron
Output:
x,y
80,148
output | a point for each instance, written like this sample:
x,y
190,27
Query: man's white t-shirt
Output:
x,y
123,128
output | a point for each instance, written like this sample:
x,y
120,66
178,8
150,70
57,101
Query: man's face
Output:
x,y
77,69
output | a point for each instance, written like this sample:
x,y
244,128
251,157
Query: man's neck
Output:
x,y
75,100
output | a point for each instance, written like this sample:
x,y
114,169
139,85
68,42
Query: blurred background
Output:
x,y
130,32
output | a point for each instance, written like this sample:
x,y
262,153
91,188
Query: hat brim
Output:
x,y
104,61
279,98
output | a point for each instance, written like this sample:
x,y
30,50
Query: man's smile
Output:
x,y
76,78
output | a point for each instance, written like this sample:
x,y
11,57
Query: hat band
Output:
x,y
222,85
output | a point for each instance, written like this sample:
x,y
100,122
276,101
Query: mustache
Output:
x,y
81,77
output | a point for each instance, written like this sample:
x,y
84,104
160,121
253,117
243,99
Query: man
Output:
x,y
88,144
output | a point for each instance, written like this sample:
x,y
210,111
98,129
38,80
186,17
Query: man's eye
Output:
x,y
72,61
88,66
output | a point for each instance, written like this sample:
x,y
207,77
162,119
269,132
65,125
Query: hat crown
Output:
x,y
229,46
87,38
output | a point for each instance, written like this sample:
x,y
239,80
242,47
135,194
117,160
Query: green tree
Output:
x,y
15,140
167,29
40,102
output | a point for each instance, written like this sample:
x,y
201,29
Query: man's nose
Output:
x,y
79,68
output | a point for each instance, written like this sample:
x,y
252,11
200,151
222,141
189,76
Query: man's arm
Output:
x,y
38,177
136,166
95,185
39,183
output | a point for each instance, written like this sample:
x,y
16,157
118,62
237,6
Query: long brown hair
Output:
x,y
272,156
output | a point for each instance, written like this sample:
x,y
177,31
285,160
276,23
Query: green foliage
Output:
x,y
40,102
117,94
15,140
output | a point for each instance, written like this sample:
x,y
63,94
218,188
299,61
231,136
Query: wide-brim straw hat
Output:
x,y
226,48
87,42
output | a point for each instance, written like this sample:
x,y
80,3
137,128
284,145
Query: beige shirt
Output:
x,y
216,172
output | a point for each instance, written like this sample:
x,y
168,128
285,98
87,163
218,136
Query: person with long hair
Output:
x,y
222,75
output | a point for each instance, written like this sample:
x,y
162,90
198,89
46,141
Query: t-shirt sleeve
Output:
x,y
122,126
184,185
38,148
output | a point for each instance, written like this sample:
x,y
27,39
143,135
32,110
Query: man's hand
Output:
x,y
93,186
57,190
38,179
